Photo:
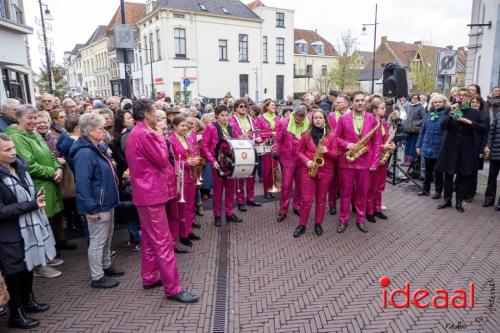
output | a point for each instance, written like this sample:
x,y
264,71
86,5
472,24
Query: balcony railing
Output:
x,y
11,12
302,73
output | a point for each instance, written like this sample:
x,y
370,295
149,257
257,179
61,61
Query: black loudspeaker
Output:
x,y
395,83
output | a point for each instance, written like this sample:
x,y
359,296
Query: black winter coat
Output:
x,y
11,241
458,153
493,142
481,138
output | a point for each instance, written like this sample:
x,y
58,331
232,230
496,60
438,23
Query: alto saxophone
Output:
x,y
352,155
318,160
387,152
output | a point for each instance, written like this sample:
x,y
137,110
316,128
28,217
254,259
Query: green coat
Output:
x,y
42,165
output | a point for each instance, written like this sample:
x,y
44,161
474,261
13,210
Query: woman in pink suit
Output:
x,y
268,124
244,128
150,172
214,132
377,183
355,175
315,187
186,155
287,141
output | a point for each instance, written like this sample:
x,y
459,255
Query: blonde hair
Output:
x,y
442,97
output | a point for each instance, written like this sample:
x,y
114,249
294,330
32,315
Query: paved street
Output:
x,y
275,283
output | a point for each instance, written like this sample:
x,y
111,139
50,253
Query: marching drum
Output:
x,y
236,158
263,149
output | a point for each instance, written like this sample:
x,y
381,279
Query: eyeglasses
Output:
x,y
242,106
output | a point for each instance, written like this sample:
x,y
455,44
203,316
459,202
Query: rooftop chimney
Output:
x,y
383,39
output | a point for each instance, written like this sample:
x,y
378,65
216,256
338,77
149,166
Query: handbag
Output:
x,y
4,293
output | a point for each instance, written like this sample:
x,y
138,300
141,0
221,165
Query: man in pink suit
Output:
x,y
214,132
351,128
150,174
341,106
287,142
243,128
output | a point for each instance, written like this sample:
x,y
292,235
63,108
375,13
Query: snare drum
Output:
x,y
236,158
263,149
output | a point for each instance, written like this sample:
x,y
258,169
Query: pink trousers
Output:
x,y
350,179
157,250
269,166
186,210
248,185
377,186
314,189
334,186
291,173
174,222
228,187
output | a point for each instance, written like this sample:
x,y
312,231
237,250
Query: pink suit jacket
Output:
x,y
286,142
180,152
210,140
265,130
238,131
307,148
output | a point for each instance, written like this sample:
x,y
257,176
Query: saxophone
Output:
x,y
387,152
352,155
318,160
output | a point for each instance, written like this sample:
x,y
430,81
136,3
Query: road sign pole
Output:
x,y
127,91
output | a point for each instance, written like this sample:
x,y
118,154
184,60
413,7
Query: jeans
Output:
x,y
410,144
101,233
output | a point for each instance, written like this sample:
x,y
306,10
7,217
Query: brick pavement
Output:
x,y
312,284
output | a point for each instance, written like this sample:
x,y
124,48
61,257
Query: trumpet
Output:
x,y
180,179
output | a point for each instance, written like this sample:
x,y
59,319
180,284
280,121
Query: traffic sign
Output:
x,y
186,82
447,62
124,36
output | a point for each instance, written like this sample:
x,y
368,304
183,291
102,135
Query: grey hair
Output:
x,y
66,100
88,122
22,109
5,137
160,114
106,110
300,110
442,97
6,102
46,115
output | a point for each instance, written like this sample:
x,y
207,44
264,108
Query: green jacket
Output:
x,y
42,165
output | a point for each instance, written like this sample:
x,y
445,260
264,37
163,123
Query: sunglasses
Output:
x,y
241,106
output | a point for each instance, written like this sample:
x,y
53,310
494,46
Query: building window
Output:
x,y
319,48
146,58
309,70
324,70
280,20
180,42
302,48
243,48
158,43
280,87
264,49
222,49
243,84
280,50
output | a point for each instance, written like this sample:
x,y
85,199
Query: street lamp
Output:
x,y
46,16
150,49
364,33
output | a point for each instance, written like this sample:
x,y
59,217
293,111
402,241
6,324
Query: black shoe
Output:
x,y
332,211
65,245
488,203
362,227
299,231
341,227
371,218
436,195
186,242
269,196
113,271
242,208
196,224
459,207
318,229
380,215
199,210
105,283
253,203
217,221
281,217
422,193
233,218
497,208
154,285
192,236
19,319
31,306
296,212
3,310
444,204
184,297
180,251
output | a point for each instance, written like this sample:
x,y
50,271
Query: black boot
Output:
x,y
186,241
193,237
445,204
19,319
318,229
380,215
30,305
371,218
217,221
281,217
299,231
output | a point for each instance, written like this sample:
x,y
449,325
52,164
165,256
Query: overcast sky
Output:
x,y
439,23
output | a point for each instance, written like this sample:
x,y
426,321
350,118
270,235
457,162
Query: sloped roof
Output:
x,y
98,33
133,13
310,37
76,49
366,74
234,8
366,56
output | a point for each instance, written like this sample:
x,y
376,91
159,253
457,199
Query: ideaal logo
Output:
x,y
439,299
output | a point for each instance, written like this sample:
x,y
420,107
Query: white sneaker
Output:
x,y
56,262
46,272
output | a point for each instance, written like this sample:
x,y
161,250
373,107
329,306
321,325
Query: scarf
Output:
x,y
182,140
317,133
297,130
270,117
244,123
459,113
39,244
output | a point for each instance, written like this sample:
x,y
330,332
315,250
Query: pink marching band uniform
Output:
x,y
153,186
208,143
315,188
333,118
377,183
355,174
286,147
181,153
243,185
266,130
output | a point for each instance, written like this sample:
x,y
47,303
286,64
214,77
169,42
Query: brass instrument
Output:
x,y
318,160
387,152
352,155
198,171
180,179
